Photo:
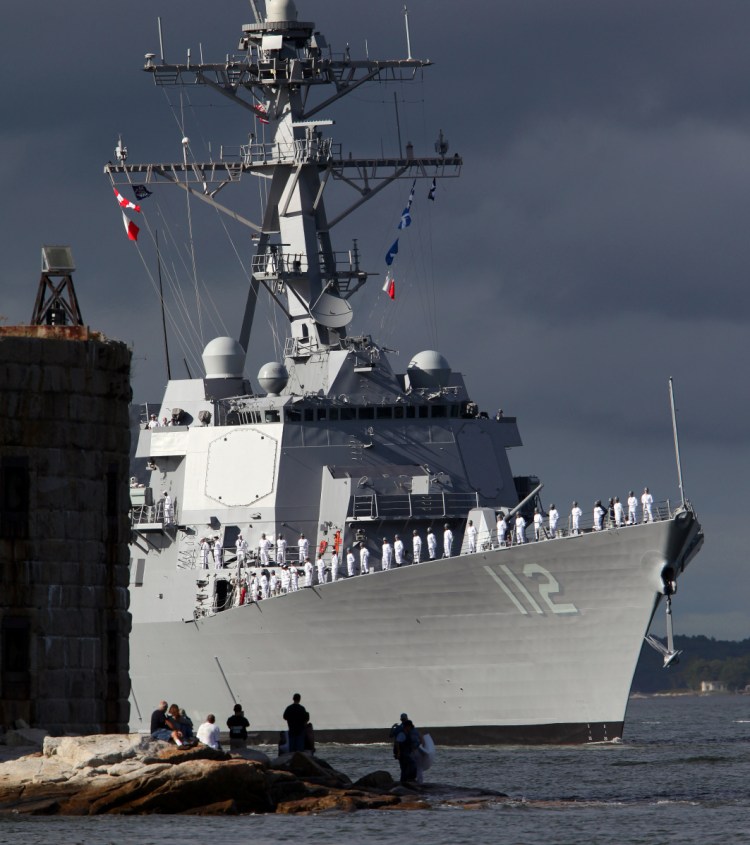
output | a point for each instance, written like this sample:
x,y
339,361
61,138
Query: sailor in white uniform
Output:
x,y
264,547
294,578
632,508
554,517
241,550
350,563
447,541
303,547
618,512
575,518
471,536
647,502
431,544
308,573
364,559
538,524
285,579
321,564
520,529
334,566
218,553
598,515
387,557
281,550
264,585
502,529
168,510
416,546
398,550
205,549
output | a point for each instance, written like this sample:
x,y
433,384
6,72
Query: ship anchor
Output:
x,y
668,652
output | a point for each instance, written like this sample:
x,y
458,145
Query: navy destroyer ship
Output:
x,y
492,641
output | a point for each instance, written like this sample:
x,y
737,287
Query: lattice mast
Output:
x,y
284,61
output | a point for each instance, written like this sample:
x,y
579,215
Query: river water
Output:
x,y
682,774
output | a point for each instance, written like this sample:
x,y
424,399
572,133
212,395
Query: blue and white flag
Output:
x,y
392,252
406,213
433,188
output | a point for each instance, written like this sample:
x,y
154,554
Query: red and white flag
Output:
x,y
390,285
125,203
130,227
261,112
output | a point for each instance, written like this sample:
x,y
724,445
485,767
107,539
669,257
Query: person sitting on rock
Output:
x,y
183,724
163,727
208,732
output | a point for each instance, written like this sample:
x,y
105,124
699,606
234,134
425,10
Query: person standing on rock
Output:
x,y
296,718
407,744
238,725
208,732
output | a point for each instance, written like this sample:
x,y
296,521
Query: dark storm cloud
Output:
x,y
594,246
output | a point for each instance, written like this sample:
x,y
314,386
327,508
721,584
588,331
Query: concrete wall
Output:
x,y
64,528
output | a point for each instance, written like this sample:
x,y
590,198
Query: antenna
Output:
x,y
161,40
163,316
398,125
676,441
408,39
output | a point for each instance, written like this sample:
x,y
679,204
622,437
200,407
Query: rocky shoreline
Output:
x,y
132,774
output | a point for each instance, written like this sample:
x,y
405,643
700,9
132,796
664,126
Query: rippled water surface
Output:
x,y
681,775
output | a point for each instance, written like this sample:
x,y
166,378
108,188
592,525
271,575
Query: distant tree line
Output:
x,y
704,659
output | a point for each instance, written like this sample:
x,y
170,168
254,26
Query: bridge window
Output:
x,y
322,413
308,414
439,411
398,412
385,413
348,413
424,411
367,413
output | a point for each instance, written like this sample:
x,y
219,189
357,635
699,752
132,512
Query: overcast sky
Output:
x,y
595,245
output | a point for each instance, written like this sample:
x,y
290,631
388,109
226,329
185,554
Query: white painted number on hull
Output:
x,y
516,590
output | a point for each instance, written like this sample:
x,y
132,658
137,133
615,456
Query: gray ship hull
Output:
x,y
536,643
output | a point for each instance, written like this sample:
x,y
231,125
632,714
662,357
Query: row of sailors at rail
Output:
x,y
392,553
262,585
614,513
395,553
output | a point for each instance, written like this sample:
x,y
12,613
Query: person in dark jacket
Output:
x,y
296,718
238,725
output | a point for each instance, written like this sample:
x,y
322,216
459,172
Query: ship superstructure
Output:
x,y
506,642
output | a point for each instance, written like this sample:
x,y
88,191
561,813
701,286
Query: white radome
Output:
x,y
223,357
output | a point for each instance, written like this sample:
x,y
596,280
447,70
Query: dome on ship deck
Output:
x,y
281,10
428,369
273,377
223,357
